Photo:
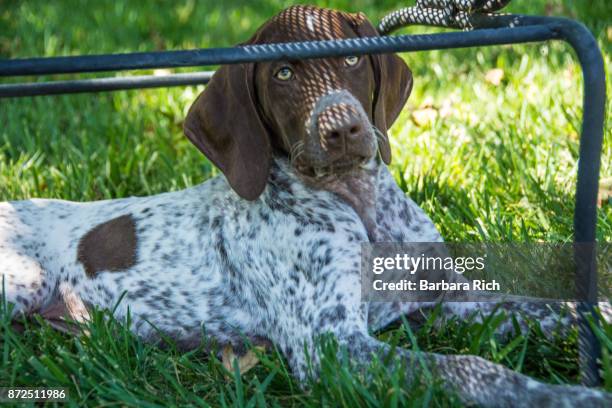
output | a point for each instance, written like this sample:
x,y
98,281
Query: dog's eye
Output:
x,y
351,61
284,74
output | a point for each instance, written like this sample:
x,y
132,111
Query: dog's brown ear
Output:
x,y
393,85
225,125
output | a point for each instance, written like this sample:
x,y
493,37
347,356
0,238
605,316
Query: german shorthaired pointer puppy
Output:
x,y
270,250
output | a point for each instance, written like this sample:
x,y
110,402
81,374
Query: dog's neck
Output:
x,y
358,188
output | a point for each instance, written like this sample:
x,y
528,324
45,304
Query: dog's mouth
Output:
x,y
335,168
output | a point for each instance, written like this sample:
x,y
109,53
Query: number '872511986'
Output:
x,y
8,394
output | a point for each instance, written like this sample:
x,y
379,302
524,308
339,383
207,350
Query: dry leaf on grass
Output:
x,y
495,76
425,116
245,362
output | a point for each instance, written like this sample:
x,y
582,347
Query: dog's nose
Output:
x,y
343,133
340,128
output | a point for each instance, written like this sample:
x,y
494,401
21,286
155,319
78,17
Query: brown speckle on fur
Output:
x,y
110,246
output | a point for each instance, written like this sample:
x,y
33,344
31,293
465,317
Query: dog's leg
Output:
x,y
334,307
474,379
400,220
550,316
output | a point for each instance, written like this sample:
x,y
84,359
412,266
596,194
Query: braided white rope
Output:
x,y
441,13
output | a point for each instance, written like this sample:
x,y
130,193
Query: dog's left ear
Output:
x,y
393,85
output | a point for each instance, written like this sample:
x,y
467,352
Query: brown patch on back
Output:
x,y
110,246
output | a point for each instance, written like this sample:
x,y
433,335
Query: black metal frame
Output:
x,y
526,29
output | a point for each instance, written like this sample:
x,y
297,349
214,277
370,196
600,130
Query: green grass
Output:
x,y
497,164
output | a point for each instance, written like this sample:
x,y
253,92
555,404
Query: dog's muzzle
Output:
x,y
340,134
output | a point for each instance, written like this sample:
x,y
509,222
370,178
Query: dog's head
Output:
x,y
328,115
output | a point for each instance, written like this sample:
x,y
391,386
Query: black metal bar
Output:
x,y
585,211
271,52
104,84
587,185
528,29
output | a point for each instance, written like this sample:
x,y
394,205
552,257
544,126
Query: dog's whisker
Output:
x,y
296,152
293,162
378,133
296,148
